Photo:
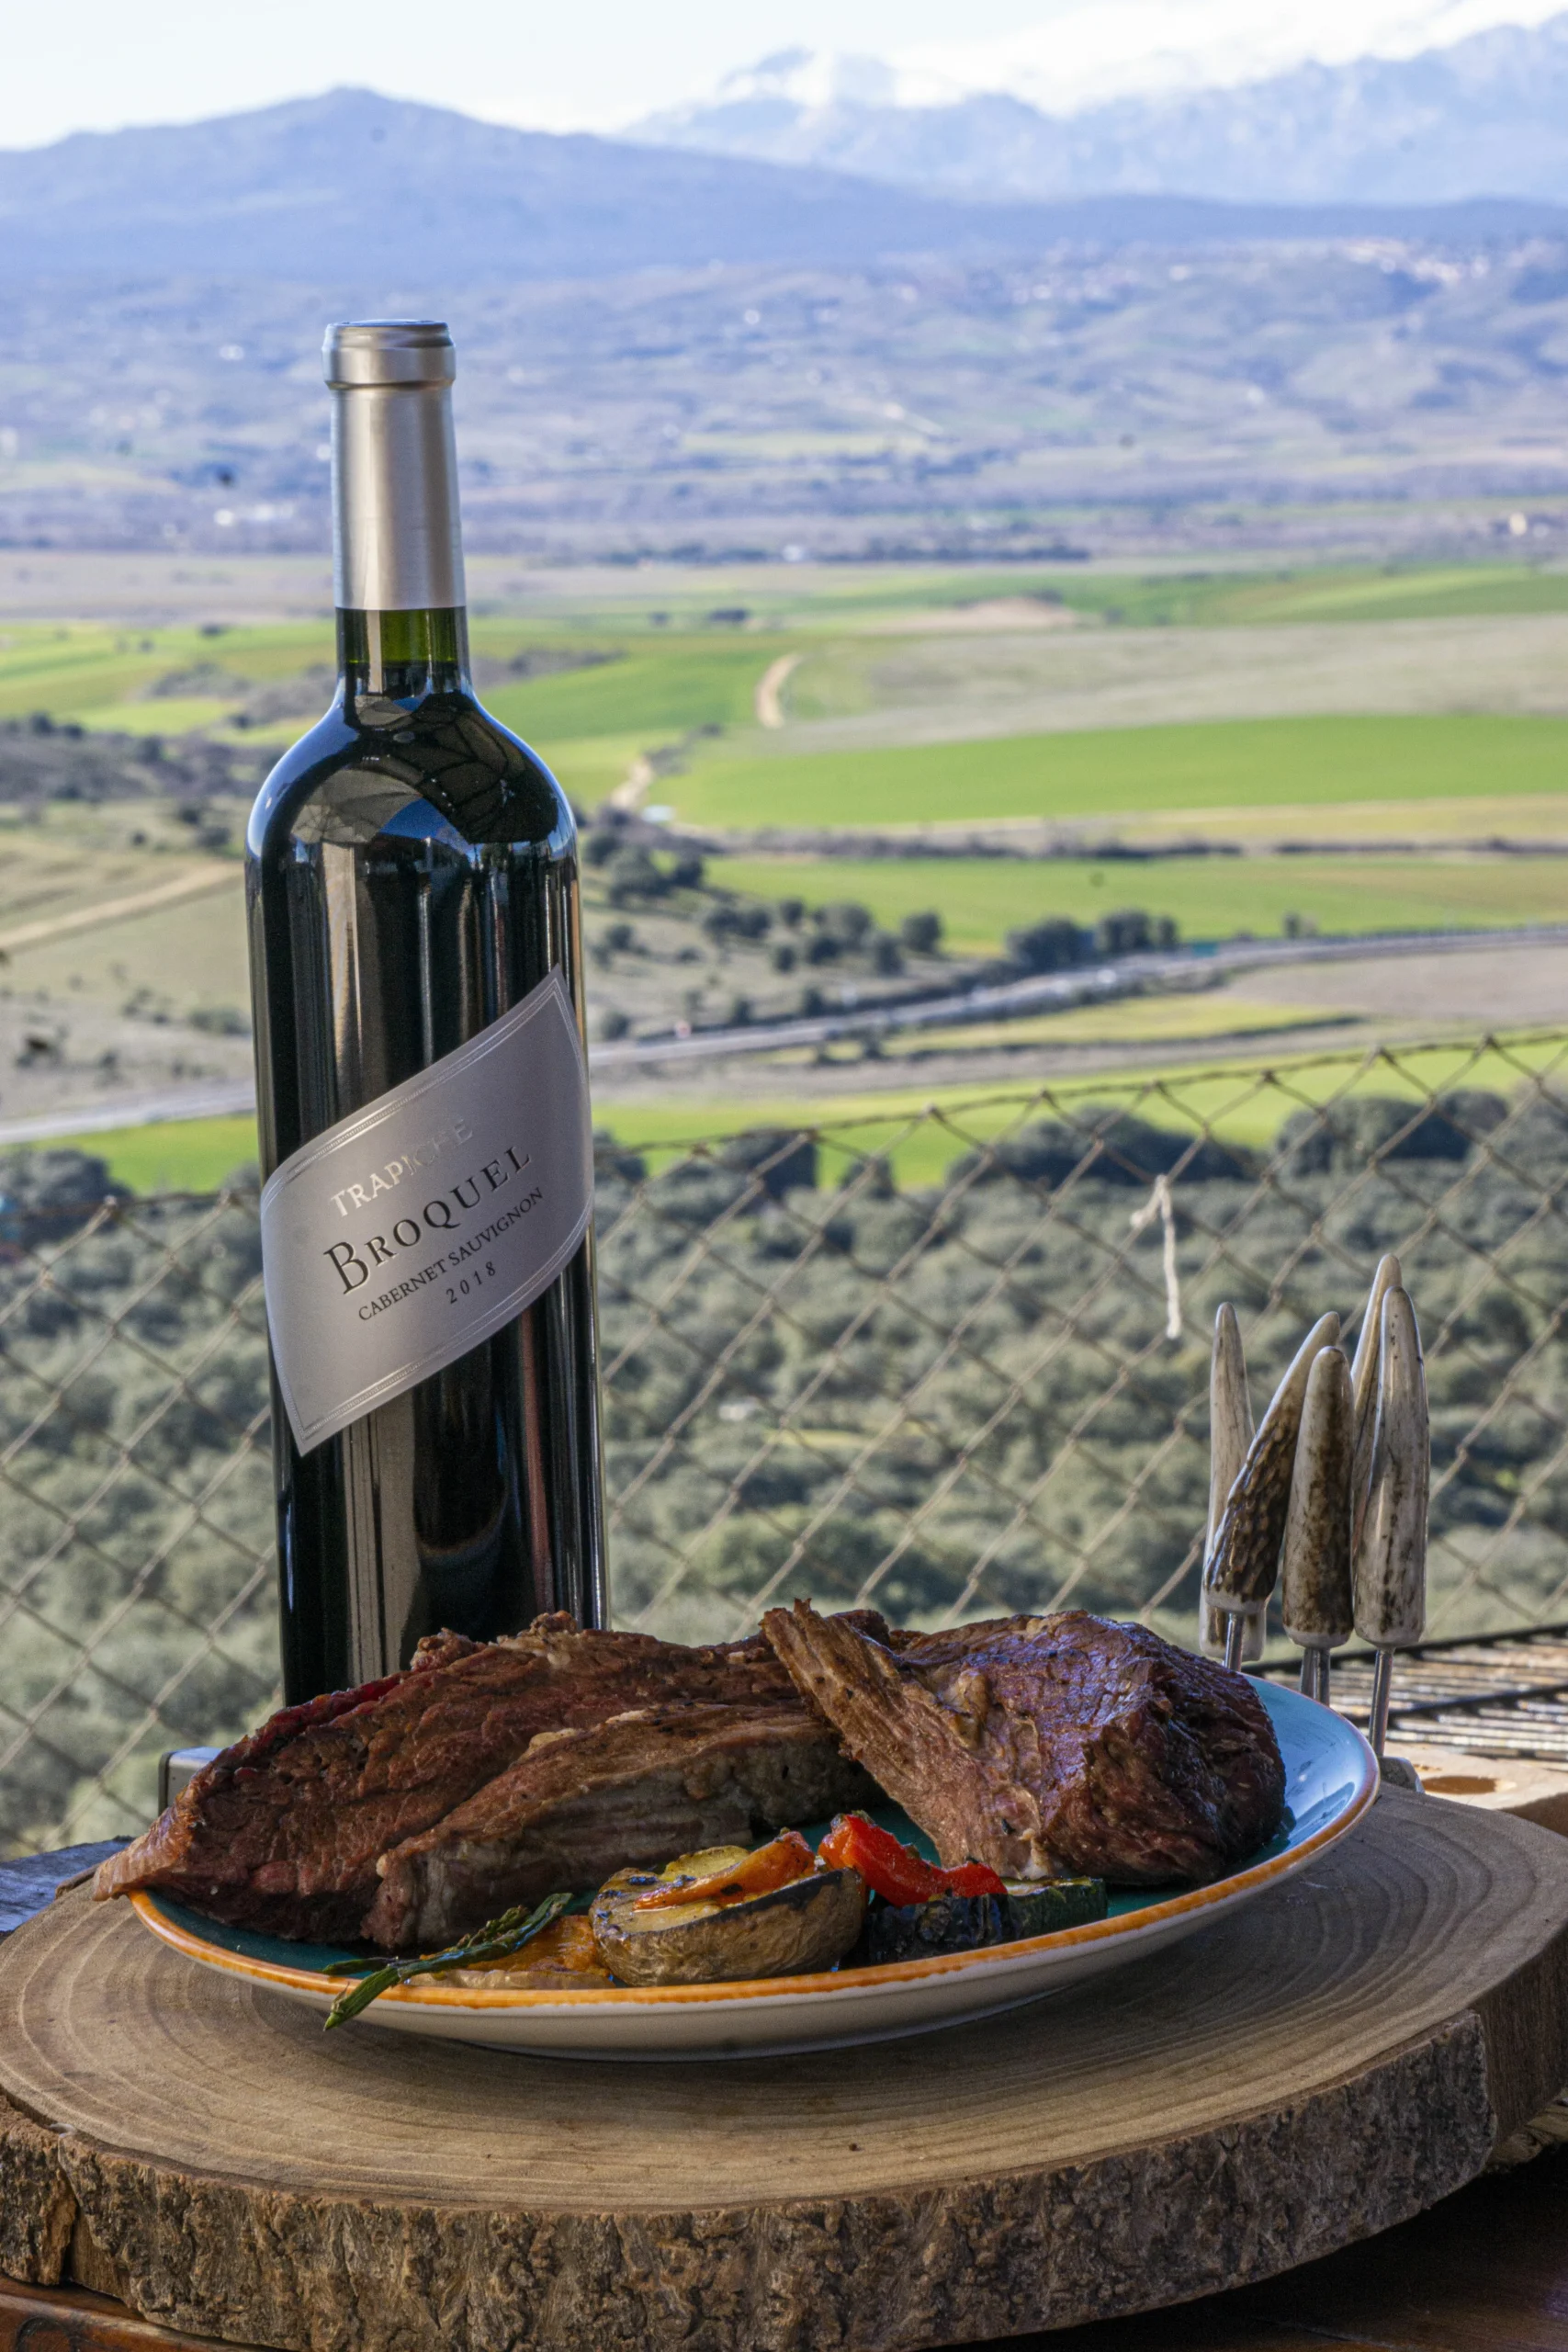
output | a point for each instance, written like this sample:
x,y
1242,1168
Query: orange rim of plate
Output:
x,y
904,1971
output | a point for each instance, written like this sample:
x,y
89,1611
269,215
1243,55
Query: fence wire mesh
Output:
x,y
951,1360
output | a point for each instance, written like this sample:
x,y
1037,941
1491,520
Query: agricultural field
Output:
x,y
1193,775
919,1132
1211,898
1242,723
860,1112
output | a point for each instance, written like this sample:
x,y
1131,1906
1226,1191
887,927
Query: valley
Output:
x,y
802,801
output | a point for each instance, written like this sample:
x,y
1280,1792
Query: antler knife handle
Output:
x,y
1315,1565
1230,1434
1364,1380
1389,1562
1246,1556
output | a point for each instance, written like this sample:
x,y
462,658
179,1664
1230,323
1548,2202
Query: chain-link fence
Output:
x,y
950,1359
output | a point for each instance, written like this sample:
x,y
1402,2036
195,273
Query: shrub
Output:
x,y
921,934
1052,946
780,1162
1127,931
630,873
846,921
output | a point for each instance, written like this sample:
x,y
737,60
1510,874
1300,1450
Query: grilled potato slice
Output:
x,y
796,1929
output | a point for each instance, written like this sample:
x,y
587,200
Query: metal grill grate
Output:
x,y
1502,1695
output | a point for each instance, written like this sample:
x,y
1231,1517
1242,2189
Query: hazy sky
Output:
x,y
95,64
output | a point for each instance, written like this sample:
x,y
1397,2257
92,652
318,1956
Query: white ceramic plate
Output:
x,y
1330,1780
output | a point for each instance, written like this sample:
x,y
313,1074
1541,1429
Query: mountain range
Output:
x,y
381,195
1487,115
675,353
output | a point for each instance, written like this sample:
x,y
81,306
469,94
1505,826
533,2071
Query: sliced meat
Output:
x,y
634,1792
1050,1747
282,1831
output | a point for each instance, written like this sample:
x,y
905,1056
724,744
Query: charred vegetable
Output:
x,y
563,1957
734,1875
917,1931
497,1939
806,1924
968,1923
895,1871
1041,1909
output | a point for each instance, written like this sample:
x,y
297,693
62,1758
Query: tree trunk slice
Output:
x,y
1337,2055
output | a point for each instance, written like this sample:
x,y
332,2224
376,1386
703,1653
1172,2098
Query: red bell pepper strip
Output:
x,y
895,1871
971,1878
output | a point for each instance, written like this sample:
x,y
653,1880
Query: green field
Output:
x,y
921,1130
981,899
1236,764
656,690
920,1133
1394,594
661,685
177,1156
82,667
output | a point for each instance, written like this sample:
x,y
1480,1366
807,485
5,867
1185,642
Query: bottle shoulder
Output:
x,y
375,762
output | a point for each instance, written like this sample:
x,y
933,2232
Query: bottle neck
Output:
x,y
397,543
404,656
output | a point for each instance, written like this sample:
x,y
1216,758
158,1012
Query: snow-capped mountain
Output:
x,y
1486,114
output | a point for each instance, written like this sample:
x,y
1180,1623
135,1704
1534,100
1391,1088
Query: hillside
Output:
x,y
382,195
1350,395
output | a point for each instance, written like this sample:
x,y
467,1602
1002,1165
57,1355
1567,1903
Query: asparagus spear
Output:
x,y
493,1942
1315,1565
1247,1543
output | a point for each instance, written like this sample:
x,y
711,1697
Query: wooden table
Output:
x,y
1486,2271
1312,2069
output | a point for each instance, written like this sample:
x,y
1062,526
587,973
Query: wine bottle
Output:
x,y
411,893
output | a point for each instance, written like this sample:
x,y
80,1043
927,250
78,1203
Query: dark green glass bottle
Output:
x,y
412,877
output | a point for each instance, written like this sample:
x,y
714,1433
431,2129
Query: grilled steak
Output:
x,y
282,1831
1050,1747
633,1792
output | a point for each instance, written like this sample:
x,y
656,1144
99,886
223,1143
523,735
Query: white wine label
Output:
x,y
400,1239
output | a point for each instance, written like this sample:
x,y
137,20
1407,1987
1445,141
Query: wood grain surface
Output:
x,y
1327,2061
54,2319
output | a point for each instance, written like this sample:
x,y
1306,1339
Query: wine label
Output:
x,y
397,1240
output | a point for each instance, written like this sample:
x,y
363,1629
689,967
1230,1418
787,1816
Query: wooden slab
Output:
x,y
1435,2284
1331,2059
1521,1785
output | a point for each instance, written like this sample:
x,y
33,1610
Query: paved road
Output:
x,y
1053,991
